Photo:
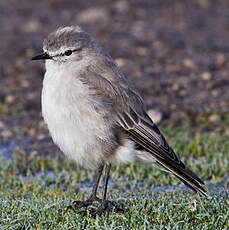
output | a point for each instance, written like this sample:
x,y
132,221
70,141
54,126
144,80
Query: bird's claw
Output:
x,y
105,206
80,204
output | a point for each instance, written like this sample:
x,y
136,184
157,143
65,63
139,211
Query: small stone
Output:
x,y
20,64
173,106
32,26
215,93
155,115
40,136
204,3
25,83
121,61
9,99
214,118
175,87
206,76
142,51
93,14
220,59
6,133
172,68
188,63
2,125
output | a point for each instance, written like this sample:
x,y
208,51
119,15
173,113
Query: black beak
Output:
x,y
41,56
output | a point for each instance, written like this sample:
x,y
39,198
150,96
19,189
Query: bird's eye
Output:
x,y
68,52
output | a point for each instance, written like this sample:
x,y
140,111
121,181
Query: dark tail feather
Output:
x,y
164,160
186,176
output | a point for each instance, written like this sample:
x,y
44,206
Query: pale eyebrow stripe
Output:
x,y
62,54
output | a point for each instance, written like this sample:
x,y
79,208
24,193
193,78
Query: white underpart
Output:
x,y
127,154
74,124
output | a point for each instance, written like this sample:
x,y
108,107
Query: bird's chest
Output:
x,y
75,126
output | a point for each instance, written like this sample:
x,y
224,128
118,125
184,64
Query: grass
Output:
x,y
34,190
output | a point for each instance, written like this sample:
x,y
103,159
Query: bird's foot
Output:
x,y
80,204
105,205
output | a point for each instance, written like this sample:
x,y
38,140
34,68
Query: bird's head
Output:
x,y
65,44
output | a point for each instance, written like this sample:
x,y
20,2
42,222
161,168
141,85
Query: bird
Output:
x,y
96,116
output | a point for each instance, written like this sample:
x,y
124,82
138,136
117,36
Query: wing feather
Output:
x,y
128,113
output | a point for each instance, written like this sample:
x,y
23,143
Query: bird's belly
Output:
x,y
76,129
79,142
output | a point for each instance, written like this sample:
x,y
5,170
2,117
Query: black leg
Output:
x,y
105,204
106,178
92,198
96,184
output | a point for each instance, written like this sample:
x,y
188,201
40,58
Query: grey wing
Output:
x,y
129,114
146,134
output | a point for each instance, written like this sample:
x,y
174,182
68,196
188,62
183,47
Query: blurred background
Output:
x,y
176,52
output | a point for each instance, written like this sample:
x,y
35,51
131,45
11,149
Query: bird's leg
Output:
x,y
92,198
105,204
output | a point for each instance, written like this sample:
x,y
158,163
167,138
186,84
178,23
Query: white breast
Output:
x,y
68,110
